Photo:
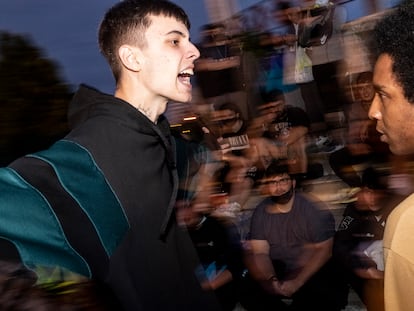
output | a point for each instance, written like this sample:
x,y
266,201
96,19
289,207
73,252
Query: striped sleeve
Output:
x,y
57,209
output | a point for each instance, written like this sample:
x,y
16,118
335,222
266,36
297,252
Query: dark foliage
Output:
x,y
33,99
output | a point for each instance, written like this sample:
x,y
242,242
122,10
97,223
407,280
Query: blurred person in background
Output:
x,y
274,44
279,133
358,240
393,111
297,67
234,144
199,209
328,59
286,127
290,249
232,128
218,68
100,202
220,250
196,165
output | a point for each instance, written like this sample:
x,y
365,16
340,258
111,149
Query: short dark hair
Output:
x,y
273,95
126,22
372,179
394,36
277,168
229,106
364,77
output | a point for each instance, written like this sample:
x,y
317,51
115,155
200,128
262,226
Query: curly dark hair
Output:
x,y
394,36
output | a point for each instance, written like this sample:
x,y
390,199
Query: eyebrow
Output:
x,y
275,177
379,88
176,32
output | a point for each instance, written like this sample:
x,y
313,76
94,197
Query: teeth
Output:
x,y
186,73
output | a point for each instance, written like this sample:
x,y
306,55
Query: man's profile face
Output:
x,y
167,60
392,111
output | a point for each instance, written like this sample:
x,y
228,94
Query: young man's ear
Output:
x,y
129,57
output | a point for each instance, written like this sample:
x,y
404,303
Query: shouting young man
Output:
x,y
99,203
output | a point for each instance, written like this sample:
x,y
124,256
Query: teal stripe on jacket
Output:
x,y
84,181
28,221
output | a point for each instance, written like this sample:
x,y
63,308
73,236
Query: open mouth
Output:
x,y
383,137
185,77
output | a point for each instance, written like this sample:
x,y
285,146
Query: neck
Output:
x,y
147,112
148,106
278,208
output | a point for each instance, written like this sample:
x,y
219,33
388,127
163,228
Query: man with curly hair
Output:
x,y
393,110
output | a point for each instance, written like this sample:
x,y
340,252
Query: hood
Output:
x,y
83,103
89,102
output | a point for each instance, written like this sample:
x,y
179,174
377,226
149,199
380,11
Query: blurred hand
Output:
x,y
288,288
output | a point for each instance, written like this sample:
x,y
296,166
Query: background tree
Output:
x,y
33,99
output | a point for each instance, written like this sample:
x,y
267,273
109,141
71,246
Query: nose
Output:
x,y
278,187
374,112
194,52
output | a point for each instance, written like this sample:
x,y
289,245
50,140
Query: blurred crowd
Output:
x,y
278,114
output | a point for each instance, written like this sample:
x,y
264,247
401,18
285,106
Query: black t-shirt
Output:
x,y
289,233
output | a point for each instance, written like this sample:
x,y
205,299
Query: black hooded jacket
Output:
x,y
103,200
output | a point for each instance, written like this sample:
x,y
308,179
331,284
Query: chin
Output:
x,y
182,99
400,150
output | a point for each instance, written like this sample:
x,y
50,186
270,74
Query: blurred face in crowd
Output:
x,y
393,113
370,199
227,120
272,110
278,107
294,15
366,91
280,188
